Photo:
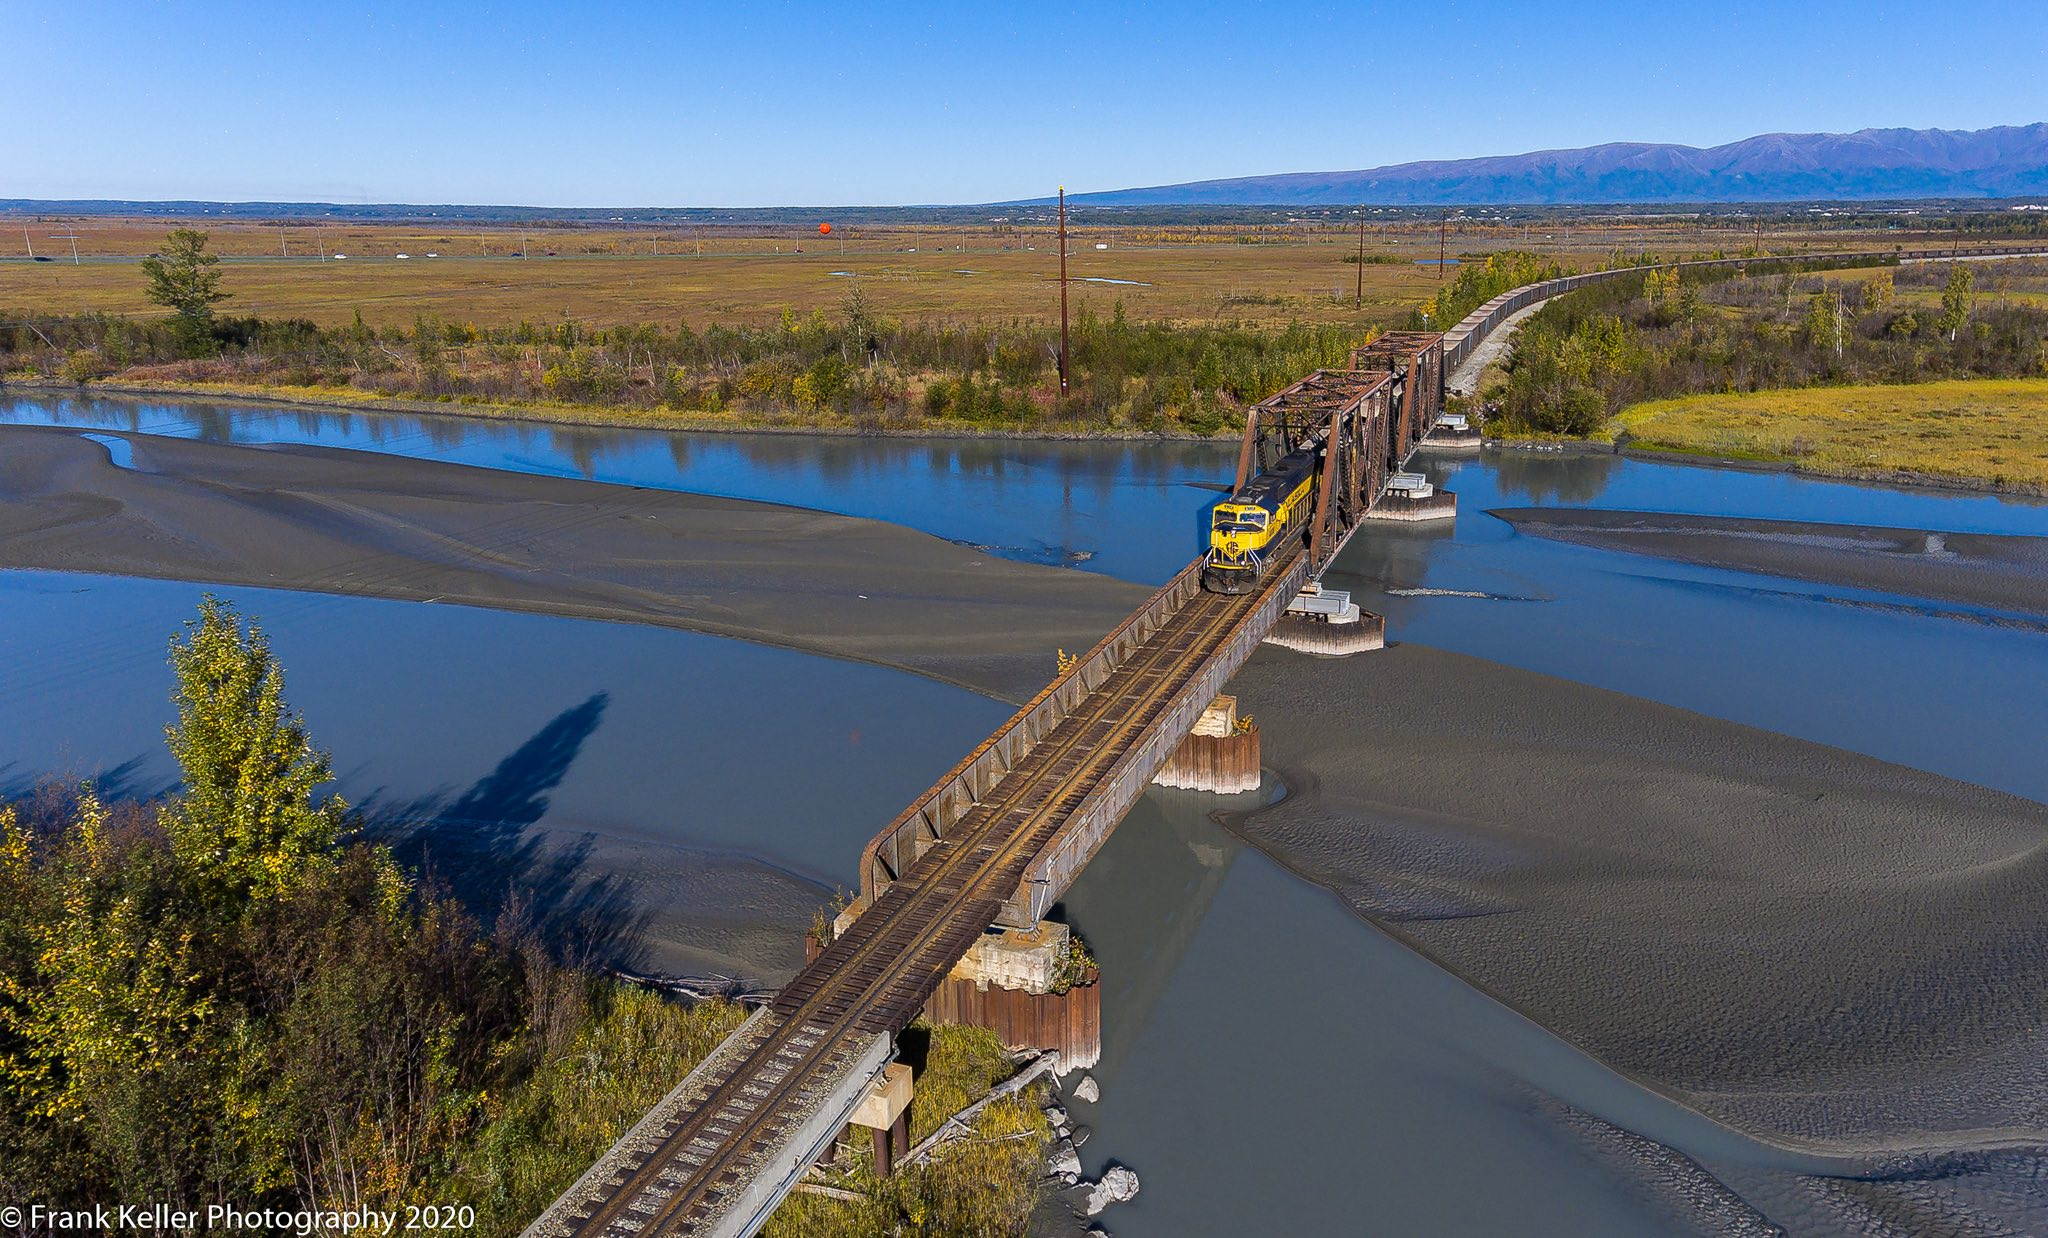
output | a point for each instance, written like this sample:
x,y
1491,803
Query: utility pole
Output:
x,y
31,244
282,252
1443,236
1063,290
1359,300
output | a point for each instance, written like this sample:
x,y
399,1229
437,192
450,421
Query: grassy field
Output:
x,y
1254,283
1992,431
601,277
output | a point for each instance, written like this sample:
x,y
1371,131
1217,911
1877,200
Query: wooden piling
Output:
x,y
1335,640
1441,505
1221,754
1226,764
1070,1022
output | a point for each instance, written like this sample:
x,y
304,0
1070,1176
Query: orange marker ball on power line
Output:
x,y
824,229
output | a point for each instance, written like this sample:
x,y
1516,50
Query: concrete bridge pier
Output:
x,y
1453,432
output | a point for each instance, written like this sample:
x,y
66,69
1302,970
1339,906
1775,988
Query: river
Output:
x,y
1271,1063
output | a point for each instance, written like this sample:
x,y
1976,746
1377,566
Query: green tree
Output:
x,y
182,279
107,1034
1955,301
863,328
246,824
1877,292
1824,321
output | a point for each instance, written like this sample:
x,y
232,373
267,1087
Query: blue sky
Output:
x,y
877,101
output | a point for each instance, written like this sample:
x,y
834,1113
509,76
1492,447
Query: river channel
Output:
x,y
1272,1064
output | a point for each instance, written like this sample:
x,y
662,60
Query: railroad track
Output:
x,y
876,977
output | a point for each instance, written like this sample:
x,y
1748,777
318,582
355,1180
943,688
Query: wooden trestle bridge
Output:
x,y
1000,838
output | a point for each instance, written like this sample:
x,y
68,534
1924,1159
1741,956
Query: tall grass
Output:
x,y
984,1183
1983,430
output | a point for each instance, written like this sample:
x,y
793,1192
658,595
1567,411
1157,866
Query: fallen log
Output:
x,y
703,988
830,1192
960,1123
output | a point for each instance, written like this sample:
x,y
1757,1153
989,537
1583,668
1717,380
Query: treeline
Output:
x,y
1665,332
853,366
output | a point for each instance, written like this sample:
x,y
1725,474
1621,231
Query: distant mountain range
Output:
x,y
2008,161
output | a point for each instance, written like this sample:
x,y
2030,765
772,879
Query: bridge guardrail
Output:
x,y
892,851
1083,833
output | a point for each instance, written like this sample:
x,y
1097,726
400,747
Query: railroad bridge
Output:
x,y
1000,838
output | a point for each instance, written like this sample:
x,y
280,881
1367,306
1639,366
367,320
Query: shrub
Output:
x,y
83,366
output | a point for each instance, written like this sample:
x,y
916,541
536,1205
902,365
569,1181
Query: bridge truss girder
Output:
x,y
1345,416
1416,360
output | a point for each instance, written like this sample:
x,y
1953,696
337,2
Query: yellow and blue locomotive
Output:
x,y
1250,528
